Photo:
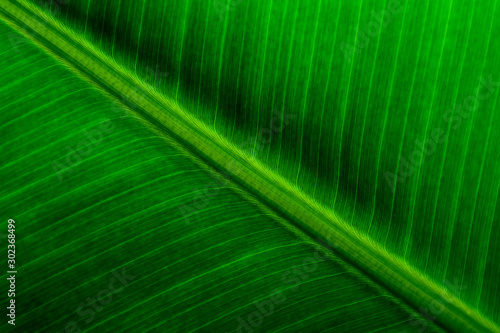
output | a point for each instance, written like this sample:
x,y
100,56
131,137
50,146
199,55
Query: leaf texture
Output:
x,y
379,148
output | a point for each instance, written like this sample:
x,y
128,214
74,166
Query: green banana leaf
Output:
x,y
250,166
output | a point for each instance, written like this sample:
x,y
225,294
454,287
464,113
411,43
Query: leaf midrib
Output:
x,y
271,189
